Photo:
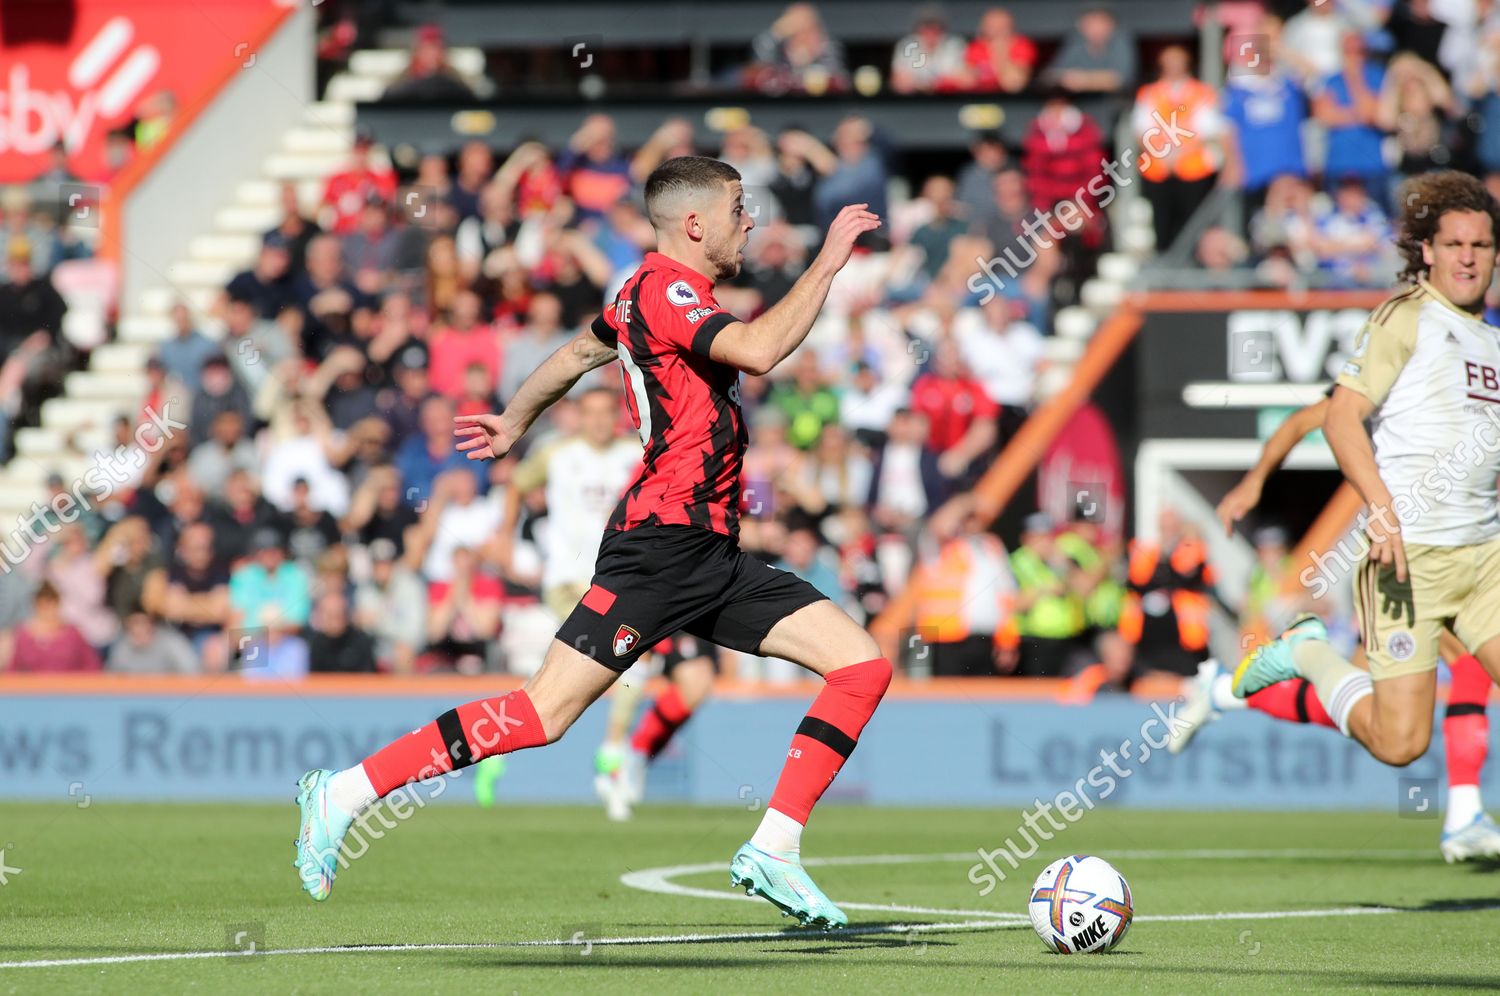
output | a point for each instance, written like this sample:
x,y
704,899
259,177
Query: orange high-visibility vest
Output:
x,y
1192,158
1191,608
944,593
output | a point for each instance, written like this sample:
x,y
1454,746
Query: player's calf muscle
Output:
x,y
1397,726
567,684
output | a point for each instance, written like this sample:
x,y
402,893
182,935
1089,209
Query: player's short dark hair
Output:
x,y
685,175
1425,198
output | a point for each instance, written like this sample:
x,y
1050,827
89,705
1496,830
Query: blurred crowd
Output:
x,y
290,500
1326,107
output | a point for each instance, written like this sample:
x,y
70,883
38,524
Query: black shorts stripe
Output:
x,y
827,734
1464,709
1302,693
454,738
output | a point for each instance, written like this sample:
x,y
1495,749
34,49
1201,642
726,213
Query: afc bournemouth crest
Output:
x,y
625,640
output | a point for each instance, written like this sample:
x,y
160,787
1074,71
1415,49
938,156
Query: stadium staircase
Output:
x,y
78,422
1100,296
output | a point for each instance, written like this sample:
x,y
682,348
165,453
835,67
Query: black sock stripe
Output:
x,y
454,738
1302,692
1464,709
828,734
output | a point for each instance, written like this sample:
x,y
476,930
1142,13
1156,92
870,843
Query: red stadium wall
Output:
x,y
73,70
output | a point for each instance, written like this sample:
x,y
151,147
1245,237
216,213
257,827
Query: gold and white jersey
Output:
x,y
1432,371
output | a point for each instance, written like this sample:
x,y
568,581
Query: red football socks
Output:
x,y
1466,728
659,722
1294,701
457,739
828,734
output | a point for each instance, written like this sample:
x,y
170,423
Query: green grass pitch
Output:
x,y
111,882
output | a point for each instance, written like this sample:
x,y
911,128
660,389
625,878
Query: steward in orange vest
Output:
x,y
1166,612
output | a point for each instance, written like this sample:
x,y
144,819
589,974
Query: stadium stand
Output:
x,y
443,215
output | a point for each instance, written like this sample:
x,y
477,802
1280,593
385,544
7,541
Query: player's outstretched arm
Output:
x,y
486,436
756,347
1244,496
1350,442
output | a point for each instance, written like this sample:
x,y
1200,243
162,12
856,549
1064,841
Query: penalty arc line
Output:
x,y
659,880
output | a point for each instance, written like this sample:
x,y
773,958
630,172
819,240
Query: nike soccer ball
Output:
x,y
1080,904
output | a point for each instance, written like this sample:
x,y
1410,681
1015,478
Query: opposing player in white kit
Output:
x,y
1426,377
582,477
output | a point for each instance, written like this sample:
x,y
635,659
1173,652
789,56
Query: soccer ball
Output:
x,y
1080,905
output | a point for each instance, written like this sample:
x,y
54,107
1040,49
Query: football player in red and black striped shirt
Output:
x,y
670,559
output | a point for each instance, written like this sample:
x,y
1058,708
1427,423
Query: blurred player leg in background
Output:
x,y
1467,830
689,666
610,758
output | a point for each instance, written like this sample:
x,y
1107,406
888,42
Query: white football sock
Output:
x,y
1464,805
1221,693
350,790
1344,696
778,833
1339,684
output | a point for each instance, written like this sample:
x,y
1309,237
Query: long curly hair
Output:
x,y
1425,198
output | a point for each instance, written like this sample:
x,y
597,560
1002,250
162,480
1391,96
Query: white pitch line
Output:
x,y
768,935
658,880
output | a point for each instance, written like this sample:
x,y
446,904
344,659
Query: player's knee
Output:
x,y
555,720
554,728
1401,751
874,674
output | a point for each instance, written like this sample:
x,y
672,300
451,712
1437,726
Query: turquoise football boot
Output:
x,y
781,880
323,829
1266,665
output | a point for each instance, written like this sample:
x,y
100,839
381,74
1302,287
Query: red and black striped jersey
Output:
x,y
685,405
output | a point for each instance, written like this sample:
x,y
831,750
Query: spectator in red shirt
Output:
x,y
1063,153
46,643
479,392
463,615
463,341
1063,150
349,190
999,59
962,417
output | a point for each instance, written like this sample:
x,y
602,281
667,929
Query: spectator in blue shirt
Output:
x,y
1350,240
1349,106
428,453
859,177
269,581
1266,109
183,355
803,556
